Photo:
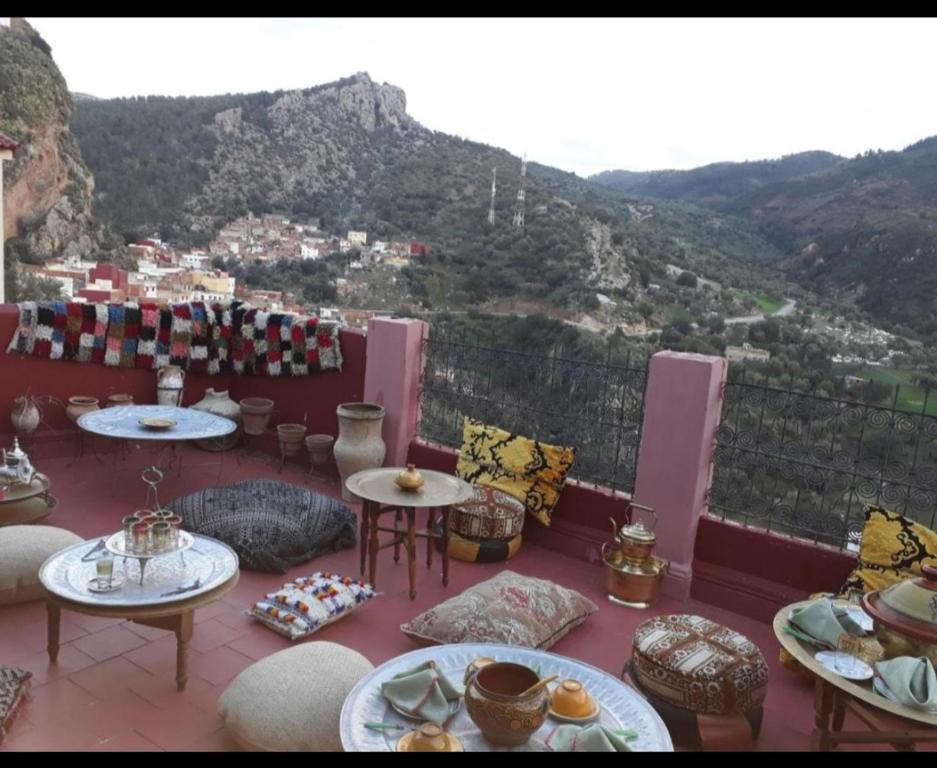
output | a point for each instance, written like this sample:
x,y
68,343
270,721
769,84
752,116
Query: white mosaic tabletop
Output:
x,y
124,422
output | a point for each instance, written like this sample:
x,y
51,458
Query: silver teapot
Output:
x,y
16,467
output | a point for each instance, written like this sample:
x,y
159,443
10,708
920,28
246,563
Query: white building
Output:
x,y
309,251
379,246
195,260
747,353
344,246
357,238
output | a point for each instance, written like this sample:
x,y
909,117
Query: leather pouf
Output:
x,y
705,680
23,550
489,514
479,550
292,700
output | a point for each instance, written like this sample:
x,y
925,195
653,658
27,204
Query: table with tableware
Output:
x,y
177,583
380,494
835,693
22,503
371,722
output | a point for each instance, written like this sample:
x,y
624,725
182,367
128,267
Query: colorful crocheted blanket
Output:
x,y
199,337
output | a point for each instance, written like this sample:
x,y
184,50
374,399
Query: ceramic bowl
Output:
x,y
498,703
429,737
570,699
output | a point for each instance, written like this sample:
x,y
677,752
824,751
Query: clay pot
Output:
x,y
319,448
114,401
291,438
25,415
359,445
79,405
255,414
170,381
497,704
220,404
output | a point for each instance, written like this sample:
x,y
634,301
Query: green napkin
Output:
x,y
911,679
589,738
425,692
819,620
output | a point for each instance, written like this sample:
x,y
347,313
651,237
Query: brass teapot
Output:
x,y
636,541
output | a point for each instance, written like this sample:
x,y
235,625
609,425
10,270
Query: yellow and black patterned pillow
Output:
x,y
893,548
531,472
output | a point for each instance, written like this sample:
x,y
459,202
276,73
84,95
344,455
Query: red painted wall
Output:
x,y
314,397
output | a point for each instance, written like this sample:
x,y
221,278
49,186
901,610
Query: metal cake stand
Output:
x,y
116,545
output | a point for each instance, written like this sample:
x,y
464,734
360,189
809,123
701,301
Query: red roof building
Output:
x,y
7,143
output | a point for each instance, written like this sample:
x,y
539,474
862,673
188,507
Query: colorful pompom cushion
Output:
x,y
532,472
292,700
509,608
23,550
489,514
13,686
307,604
893,548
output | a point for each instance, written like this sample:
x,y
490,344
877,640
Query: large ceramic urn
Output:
x,y
219,403
359,445
170,381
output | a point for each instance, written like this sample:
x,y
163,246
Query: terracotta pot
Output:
x,y
170,382
359,445
220,404
319,448
79,405
114,401
255,414
291,438
495,700
25,415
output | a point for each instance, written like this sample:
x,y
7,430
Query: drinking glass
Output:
x,y
105,570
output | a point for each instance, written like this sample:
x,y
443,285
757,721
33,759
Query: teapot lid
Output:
x,y
636,532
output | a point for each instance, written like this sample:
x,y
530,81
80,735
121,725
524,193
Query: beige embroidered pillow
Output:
x,y
509,608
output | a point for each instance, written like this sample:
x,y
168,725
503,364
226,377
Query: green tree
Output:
x,y
688,279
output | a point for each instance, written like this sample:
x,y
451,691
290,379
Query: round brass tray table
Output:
x,y
30,503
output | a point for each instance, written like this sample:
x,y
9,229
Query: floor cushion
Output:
x,y
488,514
471,550
530,471
272,526
706,681
13,686
23,550
292,700
509,608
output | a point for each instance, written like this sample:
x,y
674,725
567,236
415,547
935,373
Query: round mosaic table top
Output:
x,y
124,422
438,490
622,707
171,577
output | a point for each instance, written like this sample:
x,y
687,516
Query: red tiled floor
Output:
x,y
114,685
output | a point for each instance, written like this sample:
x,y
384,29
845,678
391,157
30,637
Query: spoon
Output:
x,y
539,684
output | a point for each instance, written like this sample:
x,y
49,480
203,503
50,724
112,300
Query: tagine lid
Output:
x,y
909,607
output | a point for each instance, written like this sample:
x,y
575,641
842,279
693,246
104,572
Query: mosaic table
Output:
x,y
123,422
622,707
176,585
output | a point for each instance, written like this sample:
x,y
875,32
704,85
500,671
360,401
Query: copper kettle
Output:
x,y
635,541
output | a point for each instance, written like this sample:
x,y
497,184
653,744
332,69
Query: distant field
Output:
x,y
910,397
768,304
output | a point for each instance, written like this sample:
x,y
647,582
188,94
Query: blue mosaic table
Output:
x,y
123,423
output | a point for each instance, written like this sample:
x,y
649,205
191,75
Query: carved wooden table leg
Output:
x,y
364,534
373,511
445,546
398,517
54,613
183,635
839,712
411,550
823,706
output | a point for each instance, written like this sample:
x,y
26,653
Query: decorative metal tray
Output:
x,y
621,706
115,544
438,489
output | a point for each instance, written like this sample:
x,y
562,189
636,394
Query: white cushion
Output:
x,y
292,700
23,550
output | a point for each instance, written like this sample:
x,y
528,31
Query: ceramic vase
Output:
x,y
220,404
319,448
79,405
255,414
113,401
359,445
25,415
170,382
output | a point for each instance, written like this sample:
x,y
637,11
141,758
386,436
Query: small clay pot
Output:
x,y
496,701
255,412
79,405
291,438
114,401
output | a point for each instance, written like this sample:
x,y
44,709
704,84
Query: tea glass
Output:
x,y
175,523
128,522
141,538
105,571
160,532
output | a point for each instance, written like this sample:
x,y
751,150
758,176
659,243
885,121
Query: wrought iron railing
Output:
x,y
596,407
808,465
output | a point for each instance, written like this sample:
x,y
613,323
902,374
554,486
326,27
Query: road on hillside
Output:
x,y
788,308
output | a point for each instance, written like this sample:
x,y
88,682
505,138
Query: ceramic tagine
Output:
x,y
905,616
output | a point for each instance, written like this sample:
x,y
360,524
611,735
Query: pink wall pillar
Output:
x,y
392,378
682,409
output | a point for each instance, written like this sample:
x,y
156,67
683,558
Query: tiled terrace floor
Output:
x,y
113,687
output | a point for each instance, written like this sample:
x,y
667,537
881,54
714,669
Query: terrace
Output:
x,y
113,687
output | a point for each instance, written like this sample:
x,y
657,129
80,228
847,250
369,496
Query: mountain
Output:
x,y
716,184
48,187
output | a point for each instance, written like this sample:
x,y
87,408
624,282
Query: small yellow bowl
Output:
x,y
429,737
570,699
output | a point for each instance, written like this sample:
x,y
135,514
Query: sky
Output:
x,y
585,95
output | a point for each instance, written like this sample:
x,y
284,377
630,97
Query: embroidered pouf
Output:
x,y
471,550
488,514
23,550
292,700
706,681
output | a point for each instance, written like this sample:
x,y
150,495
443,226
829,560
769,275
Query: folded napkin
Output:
x,y
911,679
819,620
589,738
423,691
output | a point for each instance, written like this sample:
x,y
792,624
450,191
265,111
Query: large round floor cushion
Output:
x,y
23,550
292,700
271,525
488,514
479,550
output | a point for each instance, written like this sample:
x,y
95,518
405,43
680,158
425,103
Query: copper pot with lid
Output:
x,y
635,541
905,616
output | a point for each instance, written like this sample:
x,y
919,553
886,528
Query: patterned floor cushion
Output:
x,y
13,686
292,700
489,514
271,525
708,680
23,549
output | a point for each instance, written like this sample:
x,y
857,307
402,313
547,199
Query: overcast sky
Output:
x,y
582,94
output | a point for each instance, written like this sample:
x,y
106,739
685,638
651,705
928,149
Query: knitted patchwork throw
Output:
x,y
198,337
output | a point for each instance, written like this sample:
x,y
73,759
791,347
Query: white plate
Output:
x,y
845,665
99,584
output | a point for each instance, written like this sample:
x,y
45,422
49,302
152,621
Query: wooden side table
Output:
x,y
380,495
